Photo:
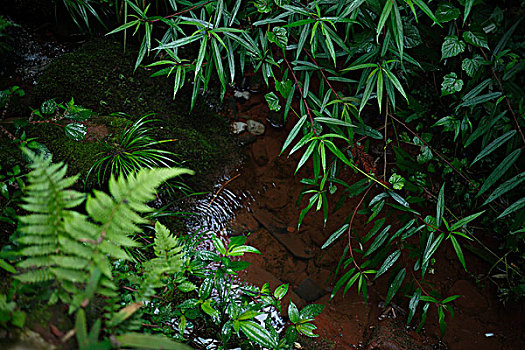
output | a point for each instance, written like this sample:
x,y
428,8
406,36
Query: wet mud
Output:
x,y
264,194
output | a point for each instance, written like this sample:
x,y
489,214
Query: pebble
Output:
x,y
238,127
255,128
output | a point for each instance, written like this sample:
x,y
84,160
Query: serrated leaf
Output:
x,y
471,65
451,84
477,39
452,46
76,131
279,36
273,101
447,12
49,107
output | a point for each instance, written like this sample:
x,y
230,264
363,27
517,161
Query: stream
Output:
x,y
259,198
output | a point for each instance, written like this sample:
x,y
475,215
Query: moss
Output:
x,y
100,76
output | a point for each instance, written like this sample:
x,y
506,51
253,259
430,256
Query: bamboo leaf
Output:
x,y
499,171
440,206
388,263
494,145
506,187
394,286
520,203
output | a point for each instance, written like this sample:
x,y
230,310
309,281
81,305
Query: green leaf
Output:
x,y
258,334
452,46
477,39
468,7
334,236
378,241
49,106
278,35
412,38
465,221
293,133
4,265
311,311
218,244
479,99
384,16
207,308
458,250
451,84
388,263
471,65
240,250
293,313
447,12
281,291
506,187
150,341
412,305
499,171
440,206
397,181
494,145
273,101
76,131
394,286
520,203
307,329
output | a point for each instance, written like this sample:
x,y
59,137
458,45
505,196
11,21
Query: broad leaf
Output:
x,y
452,46
76,131
477,39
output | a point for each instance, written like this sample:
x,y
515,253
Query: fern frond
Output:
x,y
35,276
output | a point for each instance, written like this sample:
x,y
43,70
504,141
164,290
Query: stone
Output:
x,y
276,119
238,127
255,128
309,290
278,230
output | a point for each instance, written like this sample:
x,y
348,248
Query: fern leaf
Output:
x,y
35,276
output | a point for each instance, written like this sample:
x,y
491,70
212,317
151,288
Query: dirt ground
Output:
x,y
269,191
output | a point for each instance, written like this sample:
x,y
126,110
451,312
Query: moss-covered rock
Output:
x,y
99,76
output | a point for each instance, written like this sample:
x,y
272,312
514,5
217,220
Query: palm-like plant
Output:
x,y
135,148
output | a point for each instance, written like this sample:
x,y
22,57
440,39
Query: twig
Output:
x,y
222,187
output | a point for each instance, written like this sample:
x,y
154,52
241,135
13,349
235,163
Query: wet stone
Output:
x,y
276,119
255,128
246,139
309,290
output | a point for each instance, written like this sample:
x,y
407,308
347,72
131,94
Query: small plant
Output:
x,y
135,148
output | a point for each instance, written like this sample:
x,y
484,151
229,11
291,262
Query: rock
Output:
x,y
290,241
238,127
309,290
242,94
246,139
255,128
243,223
276,119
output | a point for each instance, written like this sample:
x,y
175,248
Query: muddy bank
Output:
x,y
271,211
